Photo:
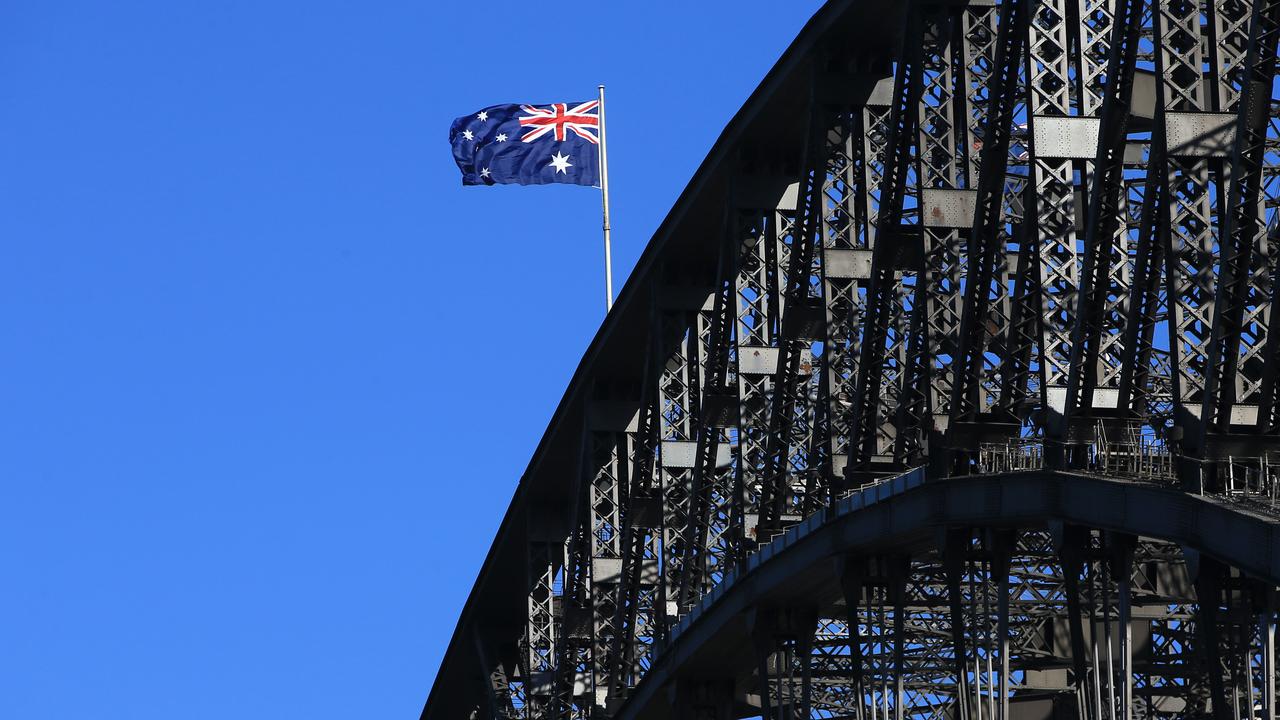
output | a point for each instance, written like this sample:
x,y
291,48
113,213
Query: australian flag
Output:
x,y
529,144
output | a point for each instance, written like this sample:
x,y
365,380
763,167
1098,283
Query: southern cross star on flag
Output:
x,y
529,144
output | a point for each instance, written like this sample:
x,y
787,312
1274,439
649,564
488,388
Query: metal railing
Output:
x,y
1255,480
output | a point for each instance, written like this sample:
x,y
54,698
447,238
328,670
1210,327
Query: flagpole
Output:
x,y
604,193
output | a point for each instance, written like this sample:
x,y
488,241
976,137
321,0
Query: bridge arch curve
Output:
x,y
806,570
1021,251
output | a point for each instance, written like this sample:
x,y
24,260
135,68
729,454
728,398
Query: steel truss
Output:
x,y
1041,235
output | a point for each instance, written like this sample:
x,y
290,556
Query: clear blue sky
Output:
x,y
268,373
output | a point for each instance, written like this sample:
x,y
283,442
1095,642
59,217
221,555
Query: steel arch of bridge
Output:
x,y
1004,270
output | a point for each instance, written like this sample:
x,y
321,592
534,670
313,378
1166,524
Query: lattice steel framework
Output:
x,y
1037,234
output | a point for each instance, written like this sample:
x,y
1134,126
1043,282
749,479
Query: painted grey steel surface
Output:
x,y
946,390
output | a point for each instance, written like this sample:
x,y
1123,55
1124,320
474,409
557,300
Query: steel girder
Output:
x,y
973,621
1031,234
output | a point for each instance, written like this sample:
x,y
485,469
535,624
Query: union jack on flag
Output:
x,y
529,144
561,119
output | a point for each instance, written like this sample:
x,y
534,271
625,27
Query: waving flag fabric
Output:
x,y
529,144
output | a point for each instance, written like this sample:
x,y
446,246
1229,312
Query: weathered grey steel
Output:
x,y
987,293
947,390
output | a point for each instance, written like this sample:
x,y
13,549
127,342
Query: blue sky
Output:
x,y
268,373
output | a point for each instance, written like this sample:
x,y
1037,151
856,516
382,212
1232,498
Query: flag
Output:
x,y
529,144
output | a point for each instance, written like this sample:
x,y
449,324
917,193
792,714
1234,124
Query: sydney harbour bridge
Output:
x,y
947,389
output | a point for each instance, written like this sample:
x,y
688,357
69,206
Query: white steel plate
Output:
x,y
1065,137
882,93
1200,134
1057,398
1106,398
684,454
757,360
855,264
949,208
1244,414
606,570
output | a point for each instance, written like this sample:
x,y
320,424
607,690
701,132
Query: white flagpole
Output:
x,y
604,192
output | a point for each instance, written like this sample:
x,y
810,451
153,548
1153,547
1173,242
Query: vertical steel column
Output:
x,y
1122,573
1191,40
881,116
607,493
1153,231
572,665
1072,551
899,570
984,43
940,173
759,305
867,408
1057,97
846,244
804,651
1208,598
798,313
1268,688
497,691
783,638
1002,547
1242,331
540,641
985,272
639,508
955,557
679,394
1269,412
1101,320
852,571
714,338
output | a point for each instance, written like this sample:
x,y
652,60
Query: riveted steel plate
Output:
x,y
1200,134
1065,137
1106,398
764,360
757,360
855,264
949,208
606,570
838,464
1143,102
1244,414
1057,398
683,454
805,366
882,93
